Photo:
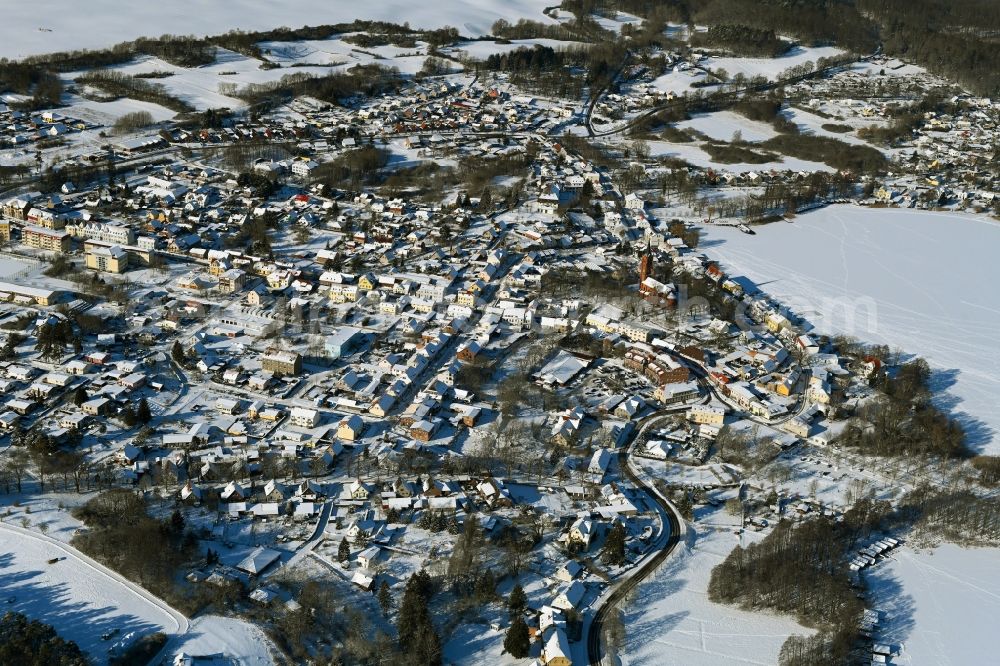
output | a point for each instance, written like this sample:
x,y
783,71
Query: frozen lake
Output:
x,y
941,605
917,280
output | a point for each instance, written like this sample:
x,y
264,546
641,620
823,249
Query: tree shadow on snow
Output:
x,y
82,621
896,619
978,434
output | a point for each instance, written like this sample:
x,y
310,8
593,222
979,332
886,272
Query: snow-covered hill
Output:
x,y
32,28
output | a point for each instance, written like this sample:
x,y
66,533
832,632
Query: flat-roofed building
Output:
x,y
107,259
46,239
282,362
28,295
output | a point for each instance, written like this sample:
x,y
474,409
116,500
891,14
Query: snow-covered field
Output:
x,y
615,23
940,605
772,67
31,28
693,154
810,123
678,82
721,125
673,622
80,598
481,50
917,280
240,641
12,267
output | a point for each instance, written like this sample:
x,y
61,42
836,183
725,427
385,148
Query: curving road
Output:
x,y
111,578
669,537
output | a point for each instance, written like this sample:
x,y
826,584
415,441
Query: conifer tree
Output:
x,y
517,601
384,598
614,547
517,642
343,551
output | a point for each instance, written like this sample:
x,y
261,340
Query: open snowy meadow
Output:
x,y
33,28
53,583
920,281
671,620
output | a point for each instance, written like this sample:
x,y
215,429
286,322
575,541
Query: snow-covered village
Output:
x,y
621,333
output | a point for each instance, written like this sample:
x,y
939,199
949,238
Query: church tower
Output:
x,y
645,265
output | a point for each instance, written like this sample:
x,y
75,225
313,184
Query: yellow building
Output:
x,y
107,259
46,239
45,218
20,294
232,281
4,231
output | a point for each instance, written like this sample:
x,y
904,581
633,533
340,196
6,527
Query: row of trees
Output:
x,y
838,154
953,38
119,84
419,643
352,169
52,337
801,570
742,40
33,643
123,536
333,88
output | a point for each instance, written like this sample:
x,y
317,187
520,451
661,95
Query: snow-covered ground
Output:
x,y
615,23
77,596
772,67
917,280
481,50
678,82
940,605
106,113
239,641
810,123
31,28
13,267
673,622
200,86
693,154
722,125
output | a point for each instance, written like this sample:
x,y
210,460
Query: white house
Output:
x,y
304,417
